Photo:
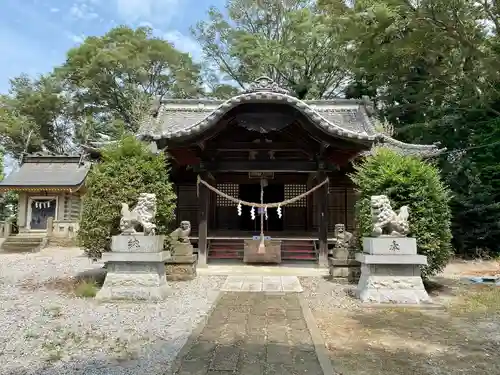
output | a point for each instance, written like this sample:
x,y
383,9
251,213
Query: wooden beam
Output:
x,y
255,146
261,166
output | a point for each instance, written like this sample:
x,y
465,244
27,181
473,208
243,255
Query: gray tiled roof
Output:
x,y
183,118
407,148
344,118
48,171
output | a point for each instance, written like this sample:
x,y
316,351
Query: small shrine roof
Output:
x,y
43,170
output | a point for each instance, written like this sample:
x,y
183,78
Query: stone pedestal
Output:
x,y
390,271
135,269
271,255
344,270
182,265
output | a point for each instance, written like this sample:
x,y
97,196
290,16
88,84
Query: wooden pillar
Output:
x,y
203,211
310,204
322,195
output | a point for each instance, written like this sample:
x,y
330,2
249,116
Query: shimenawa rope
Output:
x,y
261,205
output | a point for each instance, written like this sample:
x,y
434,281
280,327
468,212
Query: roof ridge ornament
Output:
x,y
265,83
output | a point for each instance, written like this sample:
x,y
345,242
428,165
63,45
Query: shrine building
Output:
x,y
222,152
230,160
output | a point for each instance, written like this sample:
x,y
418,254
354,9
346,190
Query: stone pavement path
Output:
x,y
262,284
252,334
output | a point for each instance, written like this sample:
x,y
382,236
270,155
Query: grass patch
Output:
x,y
476,301
72,286
86,289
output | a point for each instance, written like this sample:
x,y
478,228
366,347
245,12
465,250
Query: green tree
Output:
x,y
417,184
432,67
423,60
114,77
33,116
474,175
128,168
288,41
8,200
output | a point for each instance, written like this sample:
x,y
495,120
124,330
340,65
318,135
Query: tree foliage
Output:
x,y
8,200
128,168
288,41
114,77
33,116
433,69
417,184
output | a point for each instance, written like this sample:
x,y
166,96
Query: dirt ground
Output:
x,y
461,338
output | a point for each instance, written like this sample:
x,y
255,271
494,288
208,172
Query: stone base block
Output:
x,y
137,243
391,283
344,270
113,256
134,281
340,253
181,268
390,245
271,255
185,249
392,289
391,259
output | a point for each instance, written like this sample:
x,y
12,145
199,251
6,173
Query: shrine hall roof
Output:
x,y
350,119
43,170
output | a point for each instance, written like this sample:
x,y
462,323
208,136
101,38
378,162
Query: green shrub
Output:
x,y
127,169
413,182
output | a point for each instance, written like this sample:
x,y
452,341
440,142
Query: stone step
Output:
x,y
16,249
18,241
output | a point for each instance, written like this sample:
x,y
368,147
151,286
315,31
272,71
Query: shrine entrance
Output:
x,y
264,172
251,193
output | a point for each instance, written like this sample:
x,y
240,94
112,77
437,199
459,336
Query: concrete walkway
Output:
x,y
255,334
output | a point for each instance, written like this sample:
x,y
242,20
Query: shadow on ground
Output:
x,y
398,341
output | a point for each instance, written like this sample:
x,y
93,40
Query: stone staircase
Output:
x,y
291,250
23,243
225,249
298,250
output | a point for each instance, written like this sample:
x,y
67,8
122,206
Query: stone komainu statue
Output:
x,y
385,220
181,234
142,215
342,237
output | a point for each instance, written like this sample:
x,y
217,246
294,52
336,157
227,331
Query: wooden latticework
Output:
x,y
229,189
291,191
226,211
295,214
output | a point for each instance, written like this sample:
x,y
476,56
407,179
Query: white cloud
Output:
x,y
147,10
184,43
77,39
82,11
55,10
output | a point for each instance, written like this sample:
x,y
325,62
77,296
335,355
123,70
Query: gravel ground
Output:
x,y
44,332
322,294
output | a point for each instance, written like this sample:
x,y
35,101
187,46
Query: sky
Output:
x,y
36,34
